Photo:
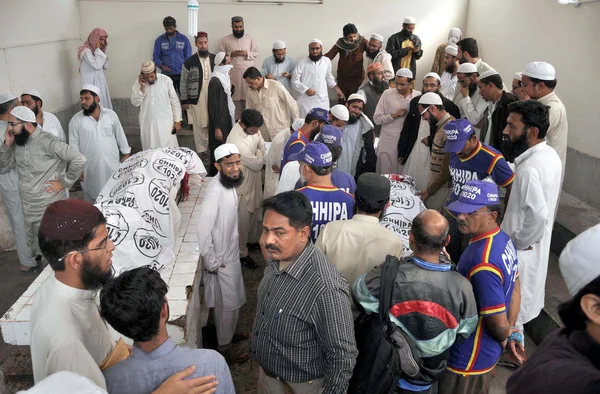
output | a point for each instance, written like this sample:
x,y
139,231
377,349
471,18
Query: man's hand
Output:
x,y
125,157
310,92
9,138
464,90
520,93
165,68
516,349
416,49
177,127
275,168
243,53
269,76
81,178
54,187
424,195
219,135
400,113
185,106
142,82
340,94
177,385
286,75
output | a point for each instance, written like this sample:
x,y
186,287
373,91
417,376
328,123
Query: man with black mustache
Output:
x,y
218,242
46,166
97,133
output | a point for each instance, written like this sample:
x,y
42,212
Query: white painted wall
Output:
x,y
513,33
133,26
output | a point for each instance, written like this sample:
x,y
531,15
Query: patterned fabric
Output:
x,y
328,203
490,264
293,145
303,327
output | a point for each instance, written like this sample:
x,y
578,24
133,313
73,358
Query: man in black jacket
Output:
x,y
410,130
195,74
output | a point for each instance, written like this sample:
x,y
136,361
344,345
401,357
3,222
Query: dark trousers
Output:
x,y
452,383
176,80
458,241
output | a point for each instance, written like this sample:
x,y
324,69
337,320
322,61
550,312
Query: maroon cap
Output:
x,y
202,34
69,220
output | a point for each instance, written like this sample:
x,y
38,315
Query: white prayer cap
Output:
x,y
518,76
225,150
540,70
24,114
451,50
404,72
148,67
430,98
32,92
434,75
219,57
578,261
409,20
297,124
316,41
91,88
279,45
467,68
340,112
6,97
377,37
357,96
488,73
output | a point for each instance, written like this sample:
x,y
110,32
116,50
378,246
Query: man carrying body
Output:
x,y
67,331
195,76
171,50
9,187
97,133
467,159
490,89
353,134
424,282
46,167
218,242
279,66
416,129
272,100
328,202
490,264
47,121
302,298
246,136
405,47
243,50
539,81
350,71
93,61
135,304
533,200
376,54
448,78
311,78
358,245
160,112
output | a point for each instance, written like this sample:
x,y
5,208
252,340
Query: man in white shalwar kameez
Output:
x,y
311,78
249,141
160,115
218,242
529,215
274,156
47,121
93,61
352,134
97,133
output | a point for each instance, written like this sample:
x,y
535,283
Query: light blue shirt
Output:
x,y
271,67
144,372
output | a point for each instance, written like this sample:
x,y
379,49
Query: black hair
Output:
x,y
369,207
34,98
293,205
348,29
252,73
131,303
533,114
495,79
9,105
54,249
252,118
225,157
311,118
439,107
354,101
499,209
424,241
88,91
570,312
469,45
169,21
336,152
320,171
549,84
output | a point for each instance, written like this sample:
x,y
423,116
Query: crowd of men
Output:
x,y
488,163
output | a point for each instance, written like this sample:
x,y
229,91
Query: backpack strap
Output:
x,y
388,277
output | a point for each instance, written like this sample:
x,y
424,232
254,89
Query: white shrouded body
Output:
x,y
192,7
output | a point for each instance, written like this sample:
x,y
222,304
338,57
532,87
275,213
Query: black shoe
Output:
x,y
248,262
254,246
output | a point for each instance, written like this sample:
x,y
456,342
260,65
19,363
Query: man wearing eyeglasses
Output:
x,y
46,166
67,331
490,264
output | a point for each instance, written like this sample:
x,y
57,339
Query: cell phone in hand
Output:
x,y
174,131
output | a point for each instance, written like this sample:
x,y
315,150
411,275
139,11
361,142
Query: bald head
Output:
x,y
429,232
